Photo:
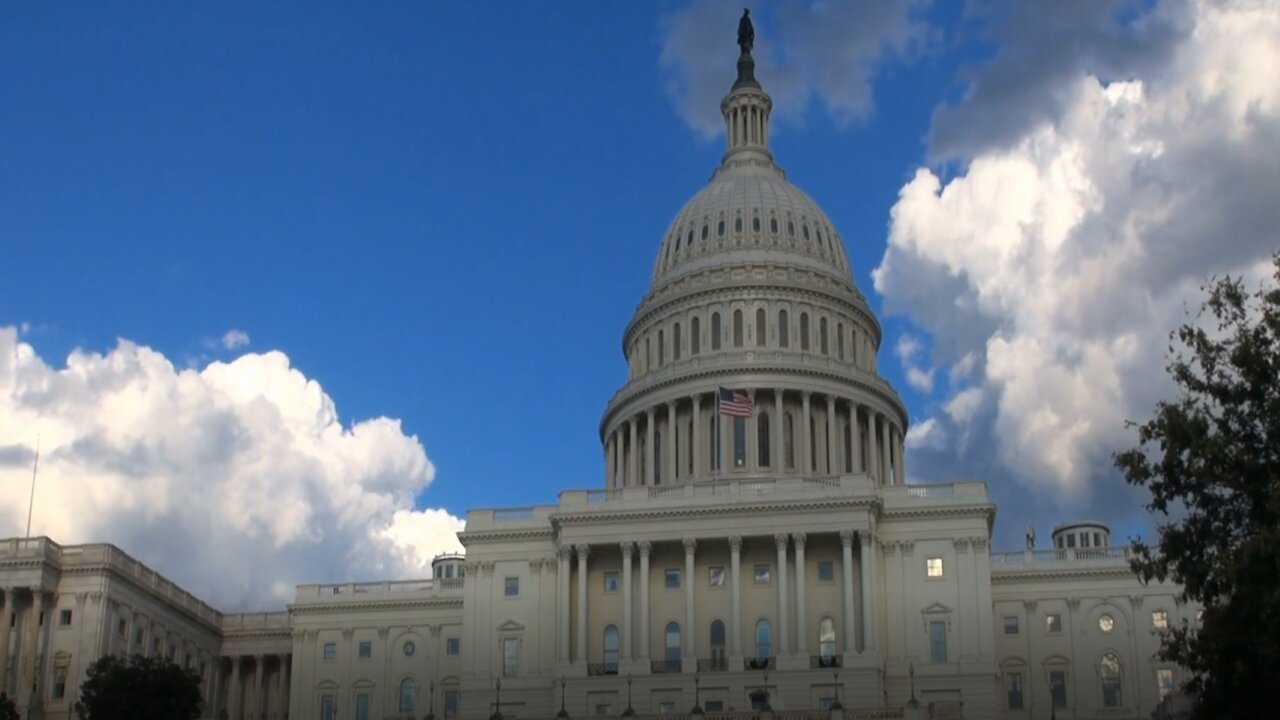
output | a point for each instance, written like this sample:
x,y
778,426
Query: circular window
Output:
x,y
1106,623
409,648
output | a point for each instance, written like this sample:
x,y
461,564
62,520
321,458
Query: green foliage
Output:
x,y
139,688
8,710
1211,461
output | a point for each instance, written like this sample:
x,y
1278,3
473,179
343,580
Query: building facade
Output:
x,y
753,545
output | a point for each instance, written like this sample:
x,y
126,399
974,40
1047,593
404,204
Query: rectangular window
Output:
x,y
666,707
1013,682
64,617
1058,687
611,581
826,571
1071,541
671,579
511,587
330,651
1053,623
1164,681
137,637
510,657
362,706
603,709
714,706
1010,624
715,576
366,649
326,707
1097,539
60,685
739,442
761,574
450,703
933,567
452,646
1160,620
122,627
938,641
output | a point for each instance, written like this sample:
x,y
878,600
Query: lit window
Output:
x,y
60,684
933,567
938,641
1109,670
1106,623
717,641
666,707
671,579
671,645
450,703
1013,683
64,617
1160,620
715,576
1164,681
366,649
762,574
1053,623
764,640
511,587
1010,624
452,646
1058,687
826,571
121,627
827,637
330,651
510,656
611,648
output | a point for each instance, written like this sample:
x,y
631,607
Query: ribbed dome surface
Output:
x,y
750,214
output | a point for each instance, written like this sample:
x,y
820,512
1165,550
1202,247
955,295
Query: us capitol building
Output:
x,y
770,563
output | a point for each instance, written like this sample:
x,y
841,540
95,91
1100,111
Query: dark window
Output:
x,y
789,441
717,639
784,338
826,571
764,640
695,335
64,617
715,331
662,347
611,648
762,439
938,641
737,225
1010,624
739,442
773,225
755,224
720,229
1110,670
1014,683
675,342
452,646
737,328
1058,687
761,331
804,331
366,649
704,232
840,340
671,643
822,335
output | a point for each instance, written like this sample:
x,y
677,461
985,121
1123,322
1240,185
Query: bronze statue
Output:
x,y
746,32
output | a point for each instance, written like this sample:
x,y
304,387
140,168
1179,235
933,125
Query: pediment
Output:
x,y
936,609
510,626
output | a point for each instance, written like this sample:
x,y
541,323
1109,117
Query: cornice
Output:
x,y
466,537
639,514
112,572
1008,574
982,511
397,604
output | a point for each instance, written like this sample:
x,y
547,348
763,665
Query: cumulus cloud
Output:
x,y
805,50
907,349
236,480
1049,272
234,339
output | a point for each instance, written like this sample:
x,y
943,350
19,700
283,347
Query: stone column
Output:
x,y
633,454
833,457
855,436
610,471
645,549
30,644
669,455
286,677
6,607
627,546
699,464
778,461
233,690
690,634
583,551
873,449
562,602
805,451
900,472
783,647
258,677
868,592
884,443
802,628
650,467
735,596
846,549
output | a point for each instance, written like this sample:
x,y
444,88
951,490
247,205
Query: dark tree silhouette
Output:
x,y
139,688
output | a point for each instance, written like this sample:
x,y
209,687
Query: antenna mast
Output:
x,y
32,502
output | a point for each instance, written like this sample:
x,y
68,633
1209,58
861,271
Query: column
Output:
x,y
650,467
645,548
802,628
627,547
784,647
873,449
735,597
29,673
669,454
257,685
846,548
699,464
779,422
884,444
855,436
633,456
562,603
286,677
610,471
690,633
806,444
6,607
900,472
833,457
583,551
868,593
233,691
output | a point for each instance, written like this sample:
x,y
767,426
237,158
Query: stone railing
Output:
x,y
719,490
360,592
1064,555
255,621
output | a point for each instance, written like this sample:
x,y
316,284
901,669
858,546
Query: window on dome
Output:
x,y
804,331
715,331
783,332
788,441
737,225
695,335
689,241
689,437
720,229
657,457
713,449
822,335
840,340
675,342
739,442
773,225
791,228
761,332
762,439
704,232
737,328
805,230
755,224
662,348
848,448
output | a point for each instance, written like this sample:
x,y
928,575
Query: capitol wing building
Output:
x,y
753,551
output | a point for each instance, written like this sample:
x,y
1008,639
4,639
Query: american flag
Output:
x,y
735,403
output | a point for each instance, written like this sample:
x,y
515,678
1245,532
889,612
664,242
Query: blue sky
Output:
x,y
446,213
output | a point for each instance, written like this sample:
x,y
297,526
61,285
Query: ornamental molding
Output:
x,y
1030,605
889,547
486,567
979,544
425,603
961,544
488,536
908,547
1136,601
1003,574
641,514
1073,603
798,539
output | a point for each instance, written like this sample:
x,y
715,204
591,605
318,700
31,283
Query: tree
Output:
x,y
1211,461
139,688
8,710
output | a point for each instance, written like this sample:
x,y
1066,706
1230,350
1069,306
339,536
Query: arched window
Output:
x,y
715,331
755,224
840,340
739,442
671,645
657,456
406,696
784,331
762,439
688,242
675,343
717,643
737,225
695,335
761,331
764,641
611,649
791,228
827,638
822,335
662,347
648,354
804,331
1109,669
720,229
848,448
737,328
689,445
788,441
713,449
704,232
773,225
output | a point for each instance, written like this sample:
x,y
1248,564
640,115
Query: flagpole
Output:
x,y
32,502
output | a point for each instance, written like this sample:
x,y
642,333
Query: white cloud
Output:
x,y
926,434
920,379
236,480
1050,270
907,349
233,339
804,50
